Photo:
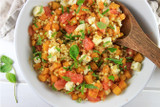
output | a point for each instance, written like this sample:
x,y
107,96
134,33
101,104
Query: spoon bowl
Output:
x,y
136,39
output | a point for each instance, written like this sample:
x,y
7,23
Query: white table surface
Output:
x,y
149,97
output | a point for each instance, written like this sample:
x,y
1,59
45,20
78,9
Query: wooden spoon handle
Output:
x,y
142,43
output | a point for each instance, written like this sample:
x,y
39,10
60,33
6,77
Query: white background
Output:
x,y
149,97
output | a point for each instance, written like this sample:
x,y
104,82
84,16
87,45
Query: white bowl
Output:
x,y
144,16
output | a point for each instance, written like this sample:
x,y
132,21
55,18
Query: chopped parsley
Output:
x,y
101,25
105,12
66,78
58,49
116,61
112,49
39,41
111,77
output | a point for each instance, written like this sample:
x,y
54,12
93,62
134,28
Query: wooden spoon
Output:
x,y
136,39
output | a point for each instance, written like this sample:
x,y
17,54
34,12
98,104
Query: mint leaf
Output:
x,y
5,68
90,86
111,77
105,12
79,2
74,51
112,49
11,77
39,41
101,25
66,78
6,60
116,61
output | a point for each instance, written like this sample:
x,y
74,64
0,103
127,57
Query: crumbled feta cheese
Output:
x,y
97,39
80,27
119,22
107,92
91,20
104,1
106,40
38,11
71,2
117,56
54,52
37,60
69,85
64,2
136,66
115,69
94,26
86,70
86,58
49,34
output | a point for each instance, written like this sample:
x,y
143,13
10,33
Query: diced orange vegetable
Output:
x,y
53,78
55,66
94,55
88,79
73,21
55,5
93,93
112,16
55,26
45,71
122,77
118,52
124,61
43,77
82,96
102,95
138,57
58,12
99,85
44,56
47,27
37,66
74,96
114,6
36,26
66,64
116,77
101,5
43,17
74,7
93,66
122,84
117,90
33,42
113,86
127,74
106,69
91,1
46,45
122,16
80,69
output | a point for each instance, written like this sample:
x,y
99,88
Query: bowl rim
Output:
x,y
50,103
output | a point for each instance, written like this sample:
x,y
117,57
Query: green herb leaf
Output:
x,y
96,51
6,60
105,4
49,56
111,77
58,49
112,49
90,86
41,10
99,63
5,68
67,9
79,8
128,57
106,43
38,53
35,25
54,87
95,59
43,60
79,100
62,9
89,67
66,78
110,26
11,77
100,13
55,33
105,12
83,35
82,58
101,25
39,41
81,22
116,61
52,13
74,51
95,75
72,89
79,2
89,32
82,88
33,49
85,9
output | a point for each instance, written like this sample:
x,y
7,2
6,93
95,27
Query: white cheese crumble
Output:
x,y
38,11
80,27
54,52
91,20
107,41
86,58
107,92
69,85
97,39
115,69
64,2
94,26
136,66
37,60
71,2
86,70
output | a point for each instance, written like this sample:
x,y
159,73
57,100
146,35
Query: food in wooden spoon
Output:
x,y
73,48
